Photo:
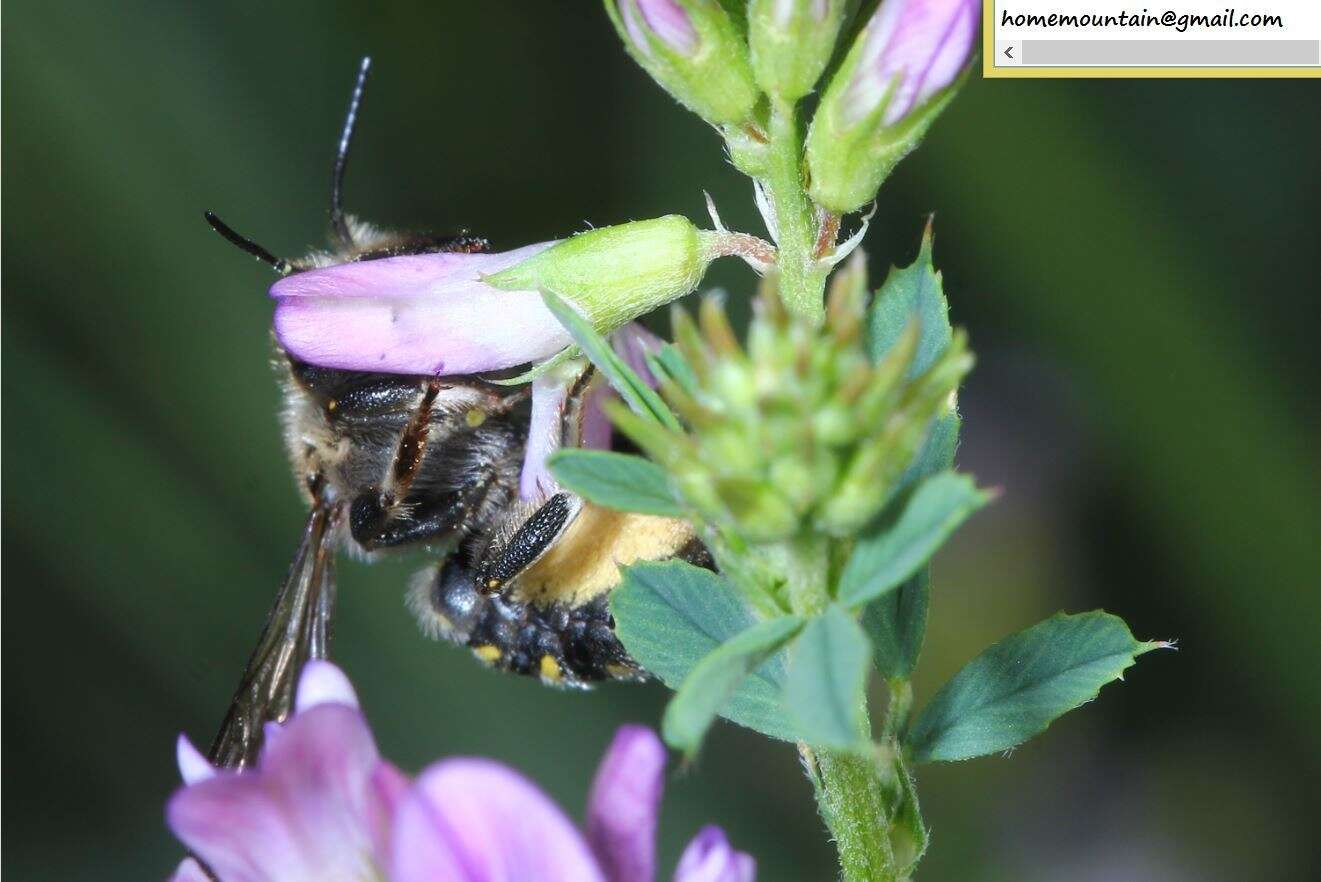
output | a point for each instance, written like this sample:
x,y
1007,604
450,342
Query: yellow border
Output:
x,y
991,72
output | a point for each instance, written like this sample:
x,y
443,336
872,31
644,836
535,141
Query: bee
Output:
x,y
389,462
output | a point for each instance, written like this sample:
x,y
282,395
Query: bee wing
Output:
x,y
298,628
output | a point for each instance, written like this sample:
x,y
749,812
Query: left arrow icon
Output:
x,y
1009,52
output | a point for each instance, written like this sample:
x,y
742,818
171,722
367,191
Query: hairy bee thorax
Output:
x,y
435,463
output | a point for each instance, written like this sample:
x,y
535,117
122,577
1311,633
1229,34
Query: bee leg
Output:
x,y
527,544
374,509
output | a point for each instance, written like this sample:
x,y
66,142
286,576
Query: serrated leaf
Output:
x,y
908,291
671,615
1014,690
640,397
936,453
713,681
825,689
616,480
907,534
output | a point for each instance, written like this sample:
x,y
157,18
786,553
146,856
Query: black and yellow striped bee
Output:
x,y
392,461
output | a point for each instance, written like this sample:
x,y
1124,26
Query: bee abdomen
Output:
x,y
563,646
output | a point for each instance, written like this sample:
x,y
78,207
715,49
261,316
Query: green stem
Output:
x,y
802,281
806,567
854,792
852,801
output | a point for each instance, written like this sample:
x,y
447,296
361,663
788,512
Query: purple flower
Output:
x,y
664,19
415,314
322,806
925,43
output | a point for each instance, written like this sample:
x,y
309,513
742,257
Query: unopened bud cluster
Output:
x,y
799,431
895,78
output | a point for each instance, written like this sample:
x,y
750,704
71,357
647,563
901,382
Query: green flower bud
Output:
x,y
792,41
615,274
899,74
694,50
800,432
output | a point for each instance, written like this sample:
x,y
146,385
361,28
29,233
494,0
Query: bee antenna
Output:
x,y
281,266
337,220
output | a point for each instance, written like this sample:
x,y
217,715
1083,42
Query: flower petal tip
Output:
x,y
323,683
190,870
193,766
710,858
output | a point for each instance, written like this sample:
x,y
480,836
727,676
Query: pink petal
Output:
x,y
671,24
193,766
321,682
624,805
710,858
924,42
665,19
419,314
473,820
300,816
389,786
550,393
189,871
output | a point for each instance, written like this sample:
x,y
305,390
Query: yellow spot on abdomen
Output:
x,y
550,669
488,653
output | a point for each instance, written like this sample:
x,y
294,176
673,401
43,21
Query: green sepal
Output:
x,y
614,274
715,80
640,397
789,53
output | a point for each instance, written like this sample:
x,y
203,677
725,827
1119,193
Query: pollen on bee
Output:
x,y
331,405
488,653
474,417
550,669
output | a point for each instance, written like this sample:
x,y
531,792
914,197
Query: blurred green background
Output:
x,y
1137,263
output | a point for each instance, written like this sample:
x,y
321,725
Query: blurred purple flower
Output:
x,y
925,43
664,19
322,806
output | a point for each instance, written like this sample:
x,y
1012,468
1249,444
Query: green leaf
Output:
x,y
712,682
912,290
937,451
826,686
1014,690
637,394
897,620
906,536
671,615
897,623
616,480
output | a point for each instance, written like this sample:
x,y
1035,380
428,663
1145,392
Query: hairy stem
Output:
x,y
802,280
851,799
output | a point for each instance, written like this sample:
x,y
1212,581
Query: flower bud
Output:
x,y
897,77
615,274
792,41
798,431
694,50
